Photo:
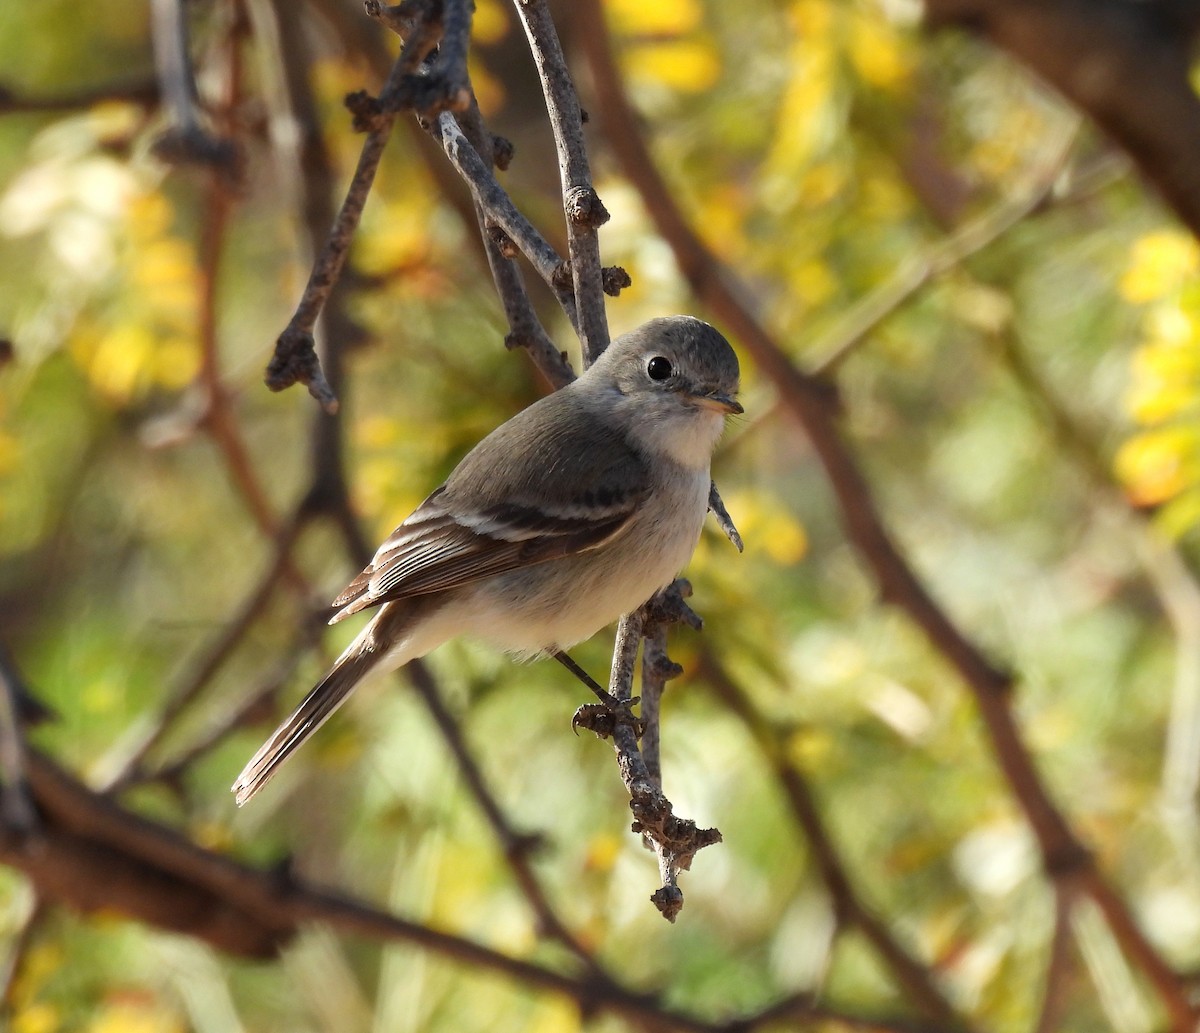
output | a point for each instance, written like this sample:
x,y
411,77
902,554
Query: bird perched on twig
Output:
x,y
574,512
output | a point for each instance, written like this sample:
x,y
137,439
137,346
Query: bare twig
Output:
x,y
518,848
217,415
498,207
948,254
525,329
1057,965
1050,187
657,667
716,506
251,703
675,841
295,358
584,210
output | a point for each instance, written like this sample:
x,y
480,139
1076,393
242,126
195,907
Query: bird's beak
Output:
x,y
722,403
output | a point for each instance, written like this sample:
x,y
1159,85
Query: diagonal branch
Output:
x,y
95,855
1063,855
17,816
518,848
294,359
498,207
525,329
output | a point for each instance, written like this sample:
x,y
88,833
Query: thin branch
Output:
x,y
295,358
201,671
919,271
498,206
1057,965
584,210
657,667
518,848
675,841
1050,187
251,704
217,415
525,329
327,494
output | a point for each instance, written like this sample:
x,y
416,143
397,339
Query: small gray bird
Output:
x,y
572,513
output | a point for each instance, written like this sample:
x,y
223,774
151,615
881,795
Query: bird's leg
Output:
x,y
598,718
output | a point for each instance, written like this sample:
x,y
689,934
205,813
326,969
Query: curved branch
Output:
x,y
92,854
1127,65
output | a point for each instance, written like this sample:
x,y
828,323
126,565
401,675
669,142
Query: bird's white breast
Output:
x,y
565,601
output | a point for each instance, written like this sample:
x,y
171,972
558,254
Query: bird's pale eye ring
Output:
x,y
658,368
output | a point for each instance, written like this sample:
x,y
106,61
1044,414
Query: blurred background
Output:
x,y
1011,319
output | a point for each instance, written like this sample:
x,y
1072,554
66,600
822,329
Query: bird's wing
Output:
x,y
493,516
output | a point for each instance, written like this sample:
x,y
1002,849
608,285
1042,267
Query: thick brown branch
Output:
x,y
94,855
1127,65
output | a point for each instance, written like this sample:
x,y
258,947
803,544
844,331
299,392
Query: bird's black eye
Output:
x,y
658,368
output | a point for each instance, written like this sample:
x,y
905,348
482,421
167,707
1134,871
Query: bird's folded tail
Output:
x,y
318,705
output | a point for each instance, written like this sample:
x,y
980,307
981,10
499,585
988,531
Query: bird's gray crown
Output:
x,y
696,349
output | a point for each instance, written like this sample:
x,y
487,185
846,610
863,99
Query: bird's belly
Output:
x,y
559,603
